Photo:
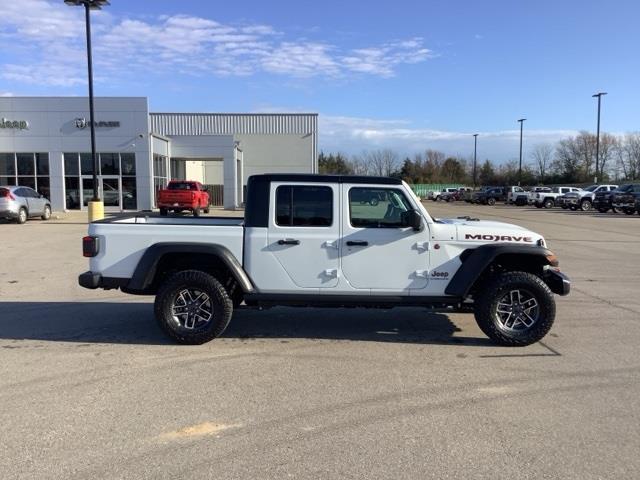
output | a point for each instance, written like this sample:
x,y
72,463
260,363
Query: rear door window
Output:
x,y
304,206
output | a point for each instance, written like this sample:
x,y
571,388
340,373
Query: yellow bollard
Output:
x,y
96,210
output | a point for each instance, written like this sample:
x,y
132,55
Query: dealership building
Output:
x,y
45,144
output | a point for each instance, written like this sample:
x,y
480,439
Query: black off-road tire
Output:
x,y
222,307
164,212
486,306
206,211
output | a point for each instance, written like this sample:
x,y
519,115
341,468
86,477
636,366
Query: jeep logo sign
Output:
x,y
84,123
14,124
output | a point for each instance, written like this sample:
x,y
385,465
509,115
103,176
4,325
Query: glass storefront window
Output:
x,y
43,187
7,164
109,164
128,163
129,196
71,164
87,190
72,192
26,165
42,163
86,164
7,180
27,182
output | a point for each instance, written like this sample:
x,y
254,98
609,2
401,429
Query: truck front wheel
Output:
x,y
515,309
192,307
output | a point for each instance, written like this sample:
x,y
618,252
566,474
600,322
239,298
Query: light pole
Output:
x,y
96,206
599,95
521,120
475,152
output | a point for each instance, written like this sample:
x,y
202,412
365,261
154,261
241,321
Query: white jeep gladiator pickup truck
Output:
x,y
320,240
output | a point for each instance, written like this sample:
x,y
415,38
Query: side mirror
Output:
x,y
411,218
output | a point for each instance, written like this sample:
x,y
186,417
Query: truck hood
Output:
x,y
486,231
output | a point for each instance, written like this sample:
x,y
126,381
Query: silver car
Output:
x,y
20,203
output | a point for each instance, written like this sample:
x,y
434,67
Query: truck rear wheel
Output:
x,y
192,307
196,212
515,309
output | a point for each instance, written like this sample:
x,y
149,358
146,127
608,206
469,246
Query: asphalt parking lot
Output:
x,y
90,387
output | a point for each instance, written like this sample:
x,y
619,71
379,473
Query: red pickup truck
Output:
x,y
183,195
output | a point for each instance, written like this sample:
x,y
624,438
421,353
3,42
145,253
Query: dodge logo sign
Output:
x,y
84,123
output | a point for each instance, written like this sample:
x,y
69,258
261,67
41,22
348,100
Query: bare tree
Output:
x,y
542,155
359,164
628,152
382,162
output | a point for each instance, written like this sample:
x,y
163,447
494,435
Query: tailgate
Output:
x,y
176,196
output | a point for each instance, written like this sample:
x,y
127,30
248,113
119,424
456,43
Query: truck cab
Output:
x,y
324,240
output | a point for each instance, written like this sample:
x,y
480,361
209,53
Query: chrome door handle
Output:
x,y
288,241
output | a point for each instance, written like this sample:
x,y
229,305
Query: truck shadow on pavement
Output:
x,y
133,323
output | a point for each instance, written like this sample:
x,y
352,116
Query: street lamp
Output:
x,y
521,120
475,151
599,95
96,206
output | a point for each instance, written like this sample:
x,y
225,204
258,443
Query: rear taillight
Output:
x,y
90,246
6,193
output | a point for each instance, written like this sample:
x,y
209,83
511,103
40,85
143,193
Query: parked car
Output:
x,y
491,196
200,271
531,195
21,203
474,196
180,196
454,196
445,191
583,199
512,193
626,200
602,200
548,199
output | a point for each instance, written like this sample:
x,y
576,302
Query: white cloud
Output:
x,y
51,39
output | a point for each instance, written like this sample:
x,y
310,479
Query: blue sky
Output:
x,y
407,75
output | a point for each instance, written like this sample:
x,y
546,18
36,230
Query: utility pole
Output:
x,y
96,206
475,152
521,120
599,95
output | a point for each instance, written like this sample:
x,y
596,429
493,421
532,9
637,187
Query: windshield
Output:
x,y
591,188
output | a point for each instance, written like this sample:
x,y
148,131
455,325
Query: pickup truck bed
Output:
x,y
136,234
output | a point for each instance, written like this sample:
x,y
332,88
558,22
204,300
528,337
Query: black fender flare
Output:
x,y
145,271
476,260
